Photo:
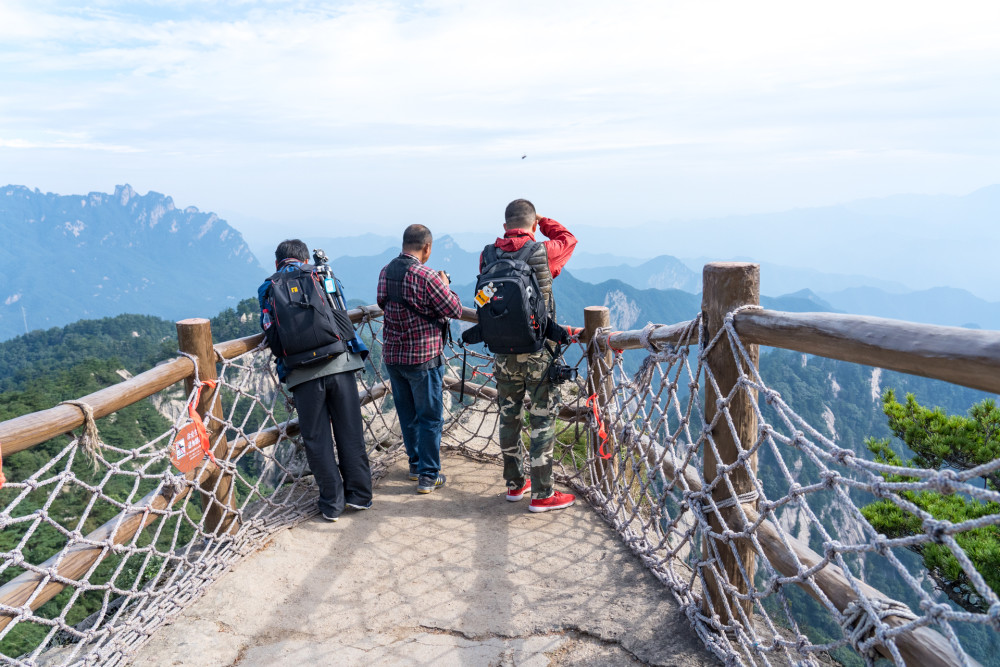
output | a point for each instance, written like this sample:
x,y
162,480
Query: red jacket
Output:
x,y
559,246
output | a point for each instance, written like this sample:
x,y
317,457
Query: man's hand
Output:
x,y
445,277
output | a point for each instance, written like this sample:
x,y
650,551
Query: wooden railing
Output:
x,y
970,358
960,356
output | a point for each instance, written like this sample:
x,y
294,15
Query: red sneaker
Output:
x,y
556,501
513,495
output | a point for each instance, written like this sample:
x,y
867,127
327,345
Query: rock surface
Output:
x,y
458,576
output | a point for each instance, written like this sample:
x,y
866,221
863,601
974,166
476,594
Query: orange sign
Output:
x,y
189,447
191,444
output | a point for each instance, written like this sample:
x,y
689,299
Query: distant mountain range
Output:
x,y
921,241
942,305
67,257
648,291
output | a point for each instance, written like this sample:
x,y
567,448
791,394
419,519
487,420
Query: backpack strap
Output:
x,y
491,253
395,272
524,252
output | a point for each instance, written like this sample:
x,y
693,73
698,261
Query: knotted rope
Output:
x,y
90,439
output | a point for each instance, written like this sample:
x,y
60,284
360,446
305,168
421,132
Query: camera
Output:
x,y
320,258
559,373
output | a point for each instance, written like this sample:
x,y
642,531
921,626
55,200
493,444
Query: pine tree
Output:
x,y
941,441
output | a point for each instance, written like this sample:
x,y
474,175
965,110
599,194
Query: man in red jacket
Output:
x,y
518,374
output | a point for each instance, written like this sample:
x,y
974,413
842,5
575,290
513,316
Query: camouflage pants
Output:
x,y
517,375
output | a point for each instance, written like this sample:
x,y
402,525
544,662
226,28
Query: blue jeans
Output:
x,y
420,404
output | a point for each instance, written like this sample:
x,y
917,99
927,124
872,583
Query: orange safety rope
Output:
x,y
612,346
601,433
199,425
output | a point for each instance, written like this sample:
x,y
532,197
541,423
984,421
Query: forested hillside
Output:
x,y
39,370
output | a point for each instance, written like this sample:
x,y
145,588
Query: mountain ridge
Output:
x,y
104,254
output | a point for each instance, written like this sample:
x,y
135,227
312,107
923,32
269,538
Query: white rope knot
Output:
x,y
194,360
945,481
841,455
936,611
936,530
732,313
665,354
90,439
860,626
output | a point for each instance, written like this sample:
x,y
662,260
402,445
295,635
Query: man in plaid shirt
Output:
x,y
417,304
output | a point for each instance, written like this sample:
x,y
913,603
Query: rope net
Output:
x,y
755,547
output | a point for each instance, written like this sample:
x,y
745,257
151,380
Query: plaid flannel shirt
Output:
x,y
407,338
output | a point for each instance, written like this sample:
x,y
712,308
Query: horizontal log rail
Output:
x,y
966,357
35,428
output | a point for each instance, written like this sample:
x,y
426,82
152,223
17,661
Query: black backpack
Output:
x,y
301,325
513,317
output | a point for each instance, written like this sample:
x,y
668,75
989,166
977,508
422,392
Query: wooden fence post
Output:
x,y
194,336
599,384
725,287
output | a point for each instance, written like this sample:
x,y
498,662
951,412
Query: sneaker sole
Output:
x,y
546,508
514,499
413,478
331,519
359,507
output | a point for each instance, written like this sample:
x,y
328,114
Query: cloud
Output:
x,y
276,90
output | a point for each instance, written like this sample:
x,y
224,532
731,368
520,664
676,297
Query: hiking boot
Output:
x,y
515,493
556,501
413,474
428,484
358,506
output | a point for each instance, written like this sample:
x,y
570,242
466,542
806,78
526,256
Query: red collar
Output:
x,y
513,233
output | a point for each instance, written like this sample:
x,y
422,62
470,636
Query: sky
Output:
x,y
352,117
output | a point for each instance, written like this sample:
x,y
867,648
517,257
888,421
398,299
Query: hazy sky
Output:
x,y
340,117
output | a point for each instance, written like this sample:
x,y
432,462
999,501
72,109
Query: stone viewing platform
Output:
x,y
459,576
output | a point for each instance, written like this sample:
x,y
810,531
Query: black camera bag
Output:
x,y
305,327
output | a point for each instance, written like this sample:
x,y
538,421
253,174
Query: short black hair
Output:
x,y
520,213
292,249
416,237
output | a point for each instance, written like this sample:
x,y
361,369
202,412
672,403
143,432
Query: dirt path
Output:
x,y
456,577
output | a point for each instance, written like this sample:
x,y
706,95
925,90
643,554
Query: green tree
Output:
x,y
957,442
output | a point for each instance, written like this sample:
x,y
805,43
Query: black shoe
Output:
x,y
413,474
428,484
329,517
359,506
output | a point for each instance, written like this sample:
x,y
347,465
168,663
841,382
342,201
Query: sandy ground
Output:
x,y
456,577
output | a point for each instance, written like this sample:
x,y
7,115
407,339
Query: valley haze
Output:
x,y
117,252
